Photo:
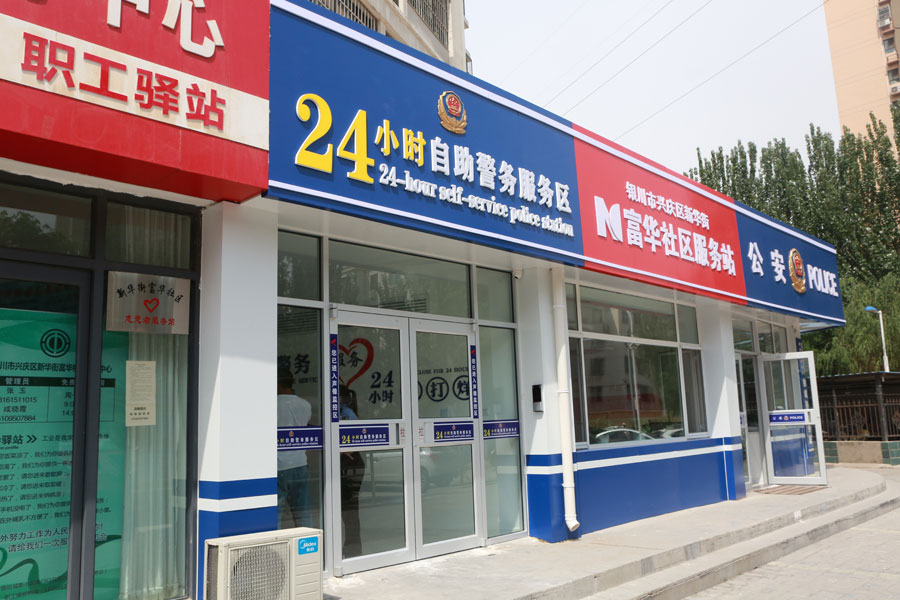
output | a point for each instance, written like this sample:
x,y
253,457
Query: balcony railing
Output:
x,y
859,417
435,14
351,9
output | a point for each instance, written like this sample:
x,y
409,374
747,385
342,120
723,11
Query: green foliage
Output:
x,y
847,193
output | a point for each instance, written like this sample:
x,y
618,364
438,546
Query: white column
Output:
x,y
719,374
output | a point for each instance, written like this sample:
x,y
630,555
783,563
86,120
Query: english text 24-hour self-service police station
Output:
x,y
263,268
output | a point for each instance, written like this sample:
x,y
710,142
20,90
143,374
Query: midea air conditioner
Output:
x,y
895,89
272,565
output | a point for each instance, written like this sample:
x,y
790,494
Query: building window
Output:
x,y
889,46
894,75
435,14
635,368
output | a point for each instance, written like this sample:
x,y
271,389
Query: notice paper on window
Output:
x,y
140,393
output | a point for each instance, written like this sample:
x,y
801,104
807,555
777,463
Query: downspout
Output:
x,y
563,398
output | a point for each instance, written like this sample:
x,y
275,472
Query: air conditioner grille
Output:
x,y
260,572
212,574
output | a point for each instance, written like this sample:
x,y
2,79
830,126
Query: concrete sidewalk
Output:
x,y
670,556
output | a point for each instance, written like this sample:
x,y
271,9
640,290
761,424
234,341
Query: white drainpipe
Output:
x,y
560,329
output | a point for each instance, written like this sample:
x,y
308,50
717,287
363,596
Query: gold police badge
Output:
x,y
452,113
795,266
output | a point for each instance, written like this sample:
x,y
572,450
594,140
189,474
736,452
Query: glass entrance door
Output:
x,y
403,429
43,342
794,446
751,433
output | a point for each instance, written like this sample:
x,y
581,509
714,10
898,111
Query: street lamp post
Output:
x,y
883,346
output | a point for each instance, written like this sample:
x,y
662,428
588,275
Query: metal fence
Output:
x,y
435,14
859,417
351,9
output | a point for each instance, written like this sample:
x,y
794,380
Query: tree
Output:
x,y
847,193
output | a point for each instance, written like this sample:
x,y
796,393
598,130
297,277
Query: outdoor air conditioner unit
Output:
x,y
895,89
272,565
884,22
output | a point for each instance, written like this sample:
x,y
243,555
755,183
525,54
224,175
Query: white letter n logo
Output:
x,y
611,218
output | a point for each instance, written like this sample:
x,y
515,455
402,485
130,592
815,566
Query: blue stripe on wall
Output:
x,y
213,525
238,488
543,460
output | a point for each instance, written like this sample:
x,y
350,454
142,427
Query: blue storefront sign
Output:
x,y
365,435
299,438
788,418
500,429
454,432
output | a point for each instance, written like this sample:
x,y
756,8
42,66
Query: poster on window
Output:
x,y
37,407
147,303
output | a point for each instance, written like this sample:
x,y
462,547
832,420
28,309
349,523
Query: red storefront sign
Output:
x,y
167,94
641,224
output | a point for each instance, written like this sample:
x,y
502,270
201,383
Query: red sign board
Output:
x,y
645,226
169,94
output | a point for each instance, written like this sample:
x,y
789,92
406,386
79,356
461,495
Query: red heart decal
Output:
x,y
348,352
151,305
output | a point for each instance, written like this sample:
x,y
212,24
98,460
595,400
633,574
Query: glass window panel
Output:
x,y
577,390
147,236
140,547
46,221
367,276
298,266
448,501
794,451
659,391
299,405
766,341
619,314
499,399
695,400
38,323
442,361
369,367
503,486
781,339
495,295
687,324
775,386
609,385
748,370
742,331
571,306
372,508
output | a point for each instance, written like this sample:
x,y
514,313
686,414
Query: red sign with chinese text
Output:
x,y
169,94
644,226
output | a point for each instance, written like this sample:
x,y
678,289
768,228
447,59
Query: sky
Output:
x,y
610,65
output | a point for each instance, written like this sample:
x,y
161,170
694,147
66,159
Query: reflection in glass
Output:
x,y
748,370
619,314
46,221
299,405
38,324
766,341
571,307
372,506
577,390
499,399
659,391
448,504
781,343
775,390
687,324
695,401
369,364
385,279
442,361
494,295
298,266
147,236
141,506
794,451
503,486
742,331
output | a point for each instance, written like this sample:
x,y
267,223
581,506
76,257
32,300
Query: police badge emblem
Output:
x,y
452,113
798,276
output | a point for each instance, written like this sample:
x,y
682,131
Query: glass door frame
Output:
x,y
760,456
811,418
420,428
366,562
85,421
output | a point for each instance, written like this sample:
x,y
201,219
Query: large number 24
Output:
x,y
357,132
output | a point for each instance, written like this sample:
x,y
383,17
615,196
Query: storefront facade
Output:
x,y
441,318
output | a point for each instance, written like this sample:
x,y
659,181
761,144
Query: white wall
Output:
x,y
238,330
719,375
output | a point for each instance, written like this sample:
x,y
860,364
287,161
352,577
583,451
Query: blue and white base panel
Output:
x,y
234,508
618,485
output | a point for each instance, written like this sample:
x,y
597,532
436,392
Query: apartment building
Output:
x,y
861,34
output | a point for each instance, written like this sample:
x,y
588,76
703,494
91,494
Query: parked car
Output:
x,y
613,435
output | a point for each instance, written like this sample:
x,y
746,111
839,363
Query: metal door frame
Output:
x,y
419,440
760,456
810,418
